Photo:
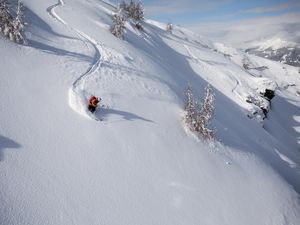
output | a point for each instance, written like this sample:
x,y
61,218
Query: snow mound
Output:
x,y
78,101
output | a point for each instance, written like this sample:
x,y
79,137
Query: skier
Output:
x,y
93,103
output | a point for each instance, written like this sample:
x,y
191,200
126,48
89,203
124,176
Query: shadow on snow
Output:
x,y
6,143
40,30
103,113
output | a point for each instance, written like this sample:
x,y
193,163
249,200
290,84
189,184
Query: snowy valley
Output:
x,y
140,164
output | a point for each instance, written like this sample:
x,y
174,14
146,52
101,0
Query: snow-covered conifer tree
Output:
x,y
169,27
18,25
119,25
198,116
12,27
205,114
137,11
5,16
133,9
190,108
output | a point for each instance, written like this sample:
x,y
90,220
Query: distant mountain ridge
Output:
x,y
276,38
278,50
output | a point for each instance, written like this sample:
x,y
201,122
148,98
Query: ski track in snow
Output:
x,y
52,12
77,98
209,67
107,3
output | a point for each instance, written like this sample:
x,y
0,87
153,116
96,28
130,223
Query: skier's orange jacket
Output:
x,y
93,101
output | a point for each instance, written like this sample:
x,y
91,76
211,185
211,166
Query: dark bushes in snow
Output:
x,y
269,94
12,27
263,104
198,116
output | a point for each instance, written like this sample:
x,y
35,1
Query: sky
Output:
x,y
231,21
193,11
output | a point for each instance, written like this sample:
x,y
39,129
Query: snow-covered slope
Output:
x,y
140,165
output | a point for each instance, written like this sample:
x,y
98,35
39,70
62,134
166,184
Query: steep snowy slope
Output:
x,y
140,165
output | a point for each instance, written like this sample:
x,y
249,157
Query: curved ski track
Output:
x,y
85,38
197,61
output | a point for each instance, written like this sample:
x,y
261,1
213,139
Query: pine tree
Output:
x,y
205,114
119,25
190,108
137,11
18,25
169,27
12,27
133,9
198,116
5,17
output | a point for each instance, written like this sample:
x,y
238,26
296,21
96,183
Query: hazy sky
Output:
x,y
193,11
234,22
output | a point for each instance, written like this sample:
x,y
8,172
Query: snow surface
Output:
x,y
140,165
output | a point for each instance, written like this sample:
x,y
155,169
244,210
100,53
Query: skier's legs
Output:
x,y
92,108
